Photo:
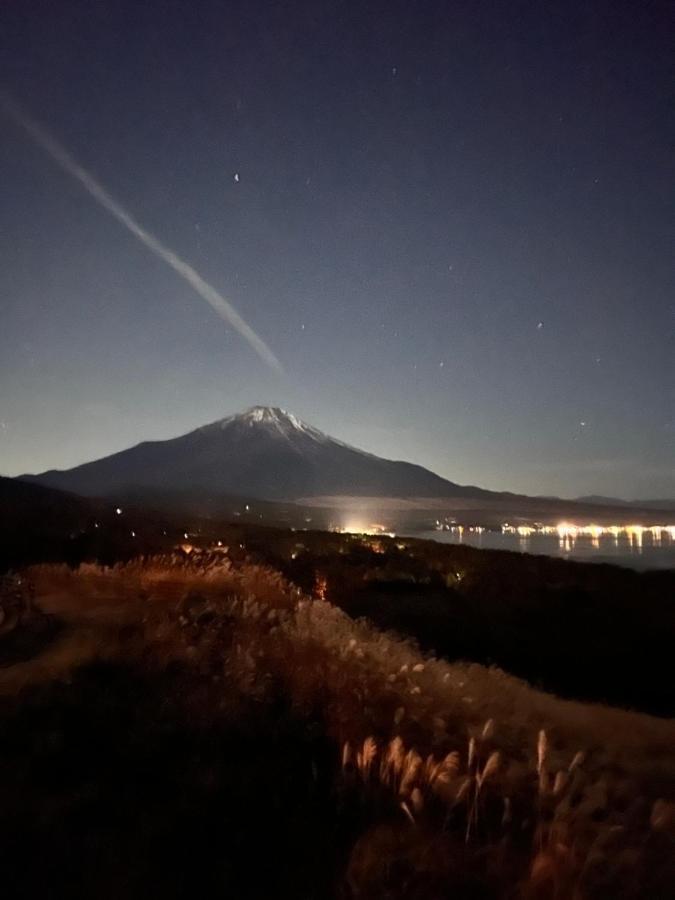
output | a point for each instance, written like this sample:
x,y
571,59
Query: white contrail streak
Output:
x,y
66,161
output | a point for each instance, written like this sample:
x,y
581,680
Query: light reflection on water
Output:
x,y
638,551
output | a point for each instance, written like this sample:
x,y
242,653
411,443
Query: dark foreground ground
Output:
x,y
219,724
199,727
110,789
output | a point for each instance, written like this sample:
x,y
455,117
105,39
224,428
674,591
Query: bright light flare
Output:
x,y
372,530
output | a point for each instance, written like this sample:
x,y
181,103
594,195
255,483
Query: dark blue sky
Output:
x,y
453,223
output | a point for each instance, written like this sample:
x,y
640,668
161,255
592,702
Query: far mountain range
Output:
x,y
268,454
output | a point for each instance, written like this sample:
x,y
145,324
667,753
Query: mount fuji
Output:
x,y
264,452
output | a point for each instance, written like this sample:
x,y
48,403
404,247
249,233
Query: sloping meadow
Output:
x,y
453,777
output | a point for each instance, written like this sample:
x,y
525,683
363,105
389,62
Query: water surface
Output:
x,y
623,550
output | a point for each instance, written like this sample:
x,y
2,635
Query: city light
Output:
x,y
356,527
569,532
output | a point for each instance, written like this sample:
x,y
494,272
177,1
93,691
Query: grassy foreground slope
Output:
x,y
203,725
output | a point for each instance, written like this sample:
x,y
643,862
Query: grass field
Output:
x,y
185,697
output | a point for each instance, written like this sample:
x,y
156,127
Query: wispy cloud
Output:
x,y
63,158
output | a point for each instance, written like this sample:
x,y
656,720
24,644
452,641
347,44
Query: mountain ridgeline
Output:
x,y
264,452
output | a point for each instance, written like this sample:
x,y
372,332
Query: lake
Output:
x,y
622,550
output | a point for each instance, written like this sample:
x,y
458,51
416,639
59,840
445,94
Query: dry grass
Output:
x,y
559,798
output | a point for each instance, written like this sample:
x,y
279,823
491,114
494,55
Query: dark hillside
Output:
x,y
588,631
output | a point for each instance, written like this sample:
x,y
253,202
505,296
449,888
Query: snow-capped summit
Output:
x,y
275,417
270,414
264,452
270,418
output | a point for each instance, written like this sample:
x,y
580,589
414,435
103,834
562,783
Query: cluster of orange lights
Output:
x,y
355,527
459,529
569,533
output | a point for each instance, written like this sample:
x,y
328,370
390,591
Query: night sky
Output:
x,y
451,223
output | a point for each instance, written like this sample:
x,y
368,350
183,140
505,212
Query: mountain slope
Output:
x,y
264,452
599,500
